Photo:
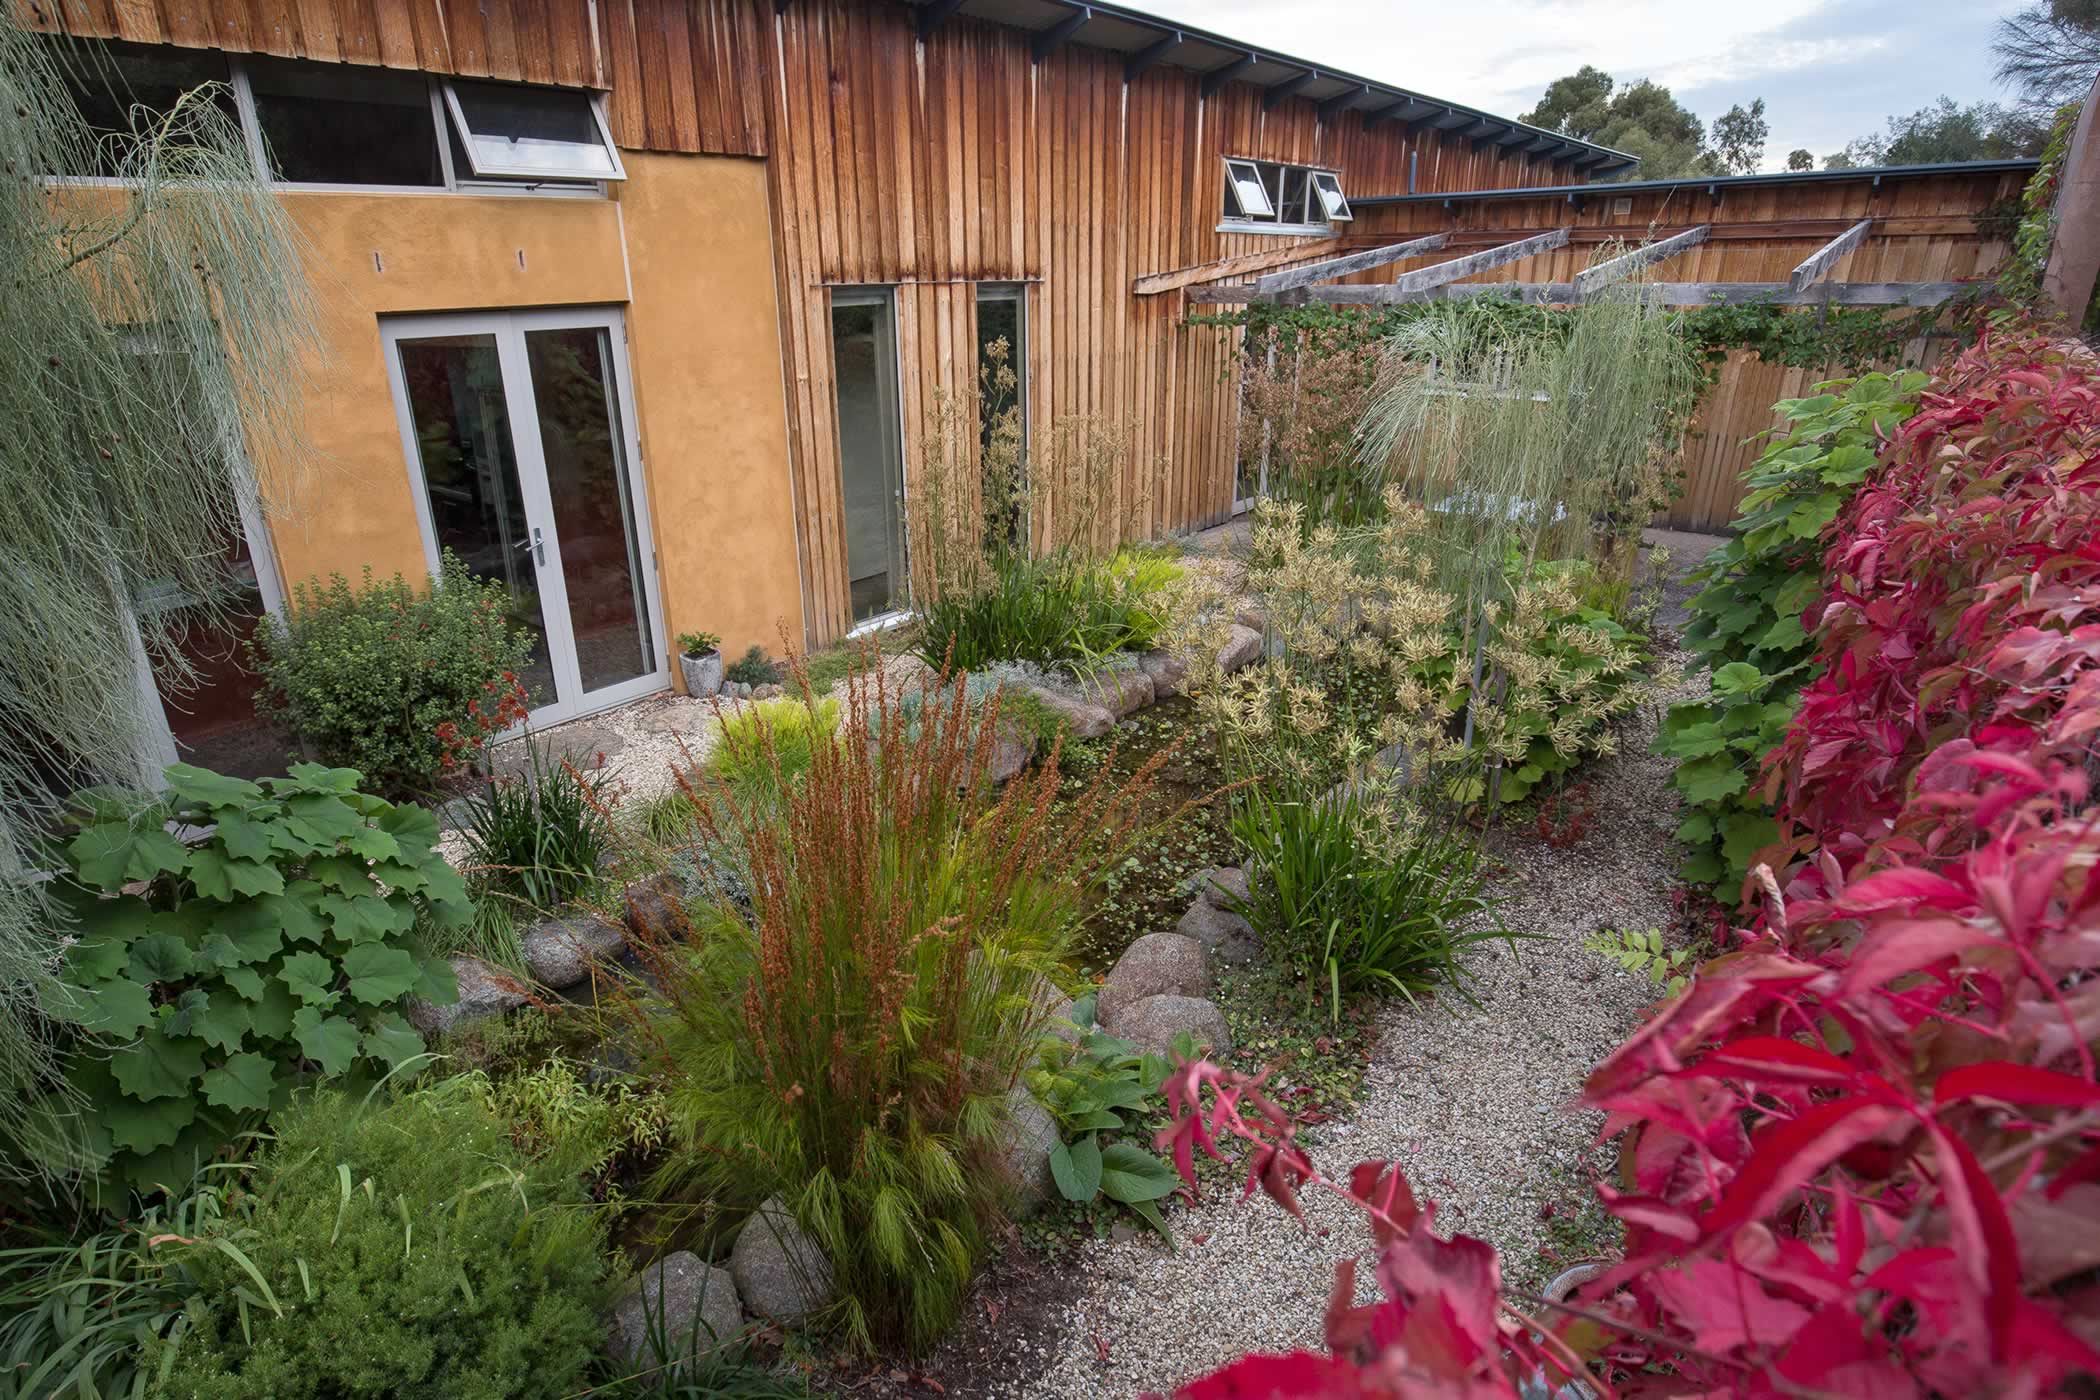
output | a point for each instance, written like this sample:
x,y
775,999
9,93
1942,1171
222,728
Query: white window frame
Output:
x,y
1327,184
1238,175
536,184
596,104
1272,220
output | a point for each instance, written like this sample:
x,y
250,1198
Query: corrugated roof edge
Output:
x,y
1700,182
1168,28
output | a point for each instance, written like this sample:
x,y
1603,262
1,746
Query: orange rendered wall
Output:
x,y
703,352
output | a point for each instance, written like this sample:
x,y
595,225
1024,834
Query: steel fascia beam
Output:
x,y
1218,77
1149,55
1053,38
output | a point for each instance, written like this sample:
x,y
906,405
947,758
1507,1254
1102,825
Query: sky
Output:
x,y
1829,70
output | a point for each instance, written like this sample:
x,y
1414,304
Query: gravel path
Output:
x,y
1473,1102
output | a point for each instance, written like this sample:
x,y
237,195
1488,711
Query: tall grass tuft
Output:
x,y
536,840
848,1043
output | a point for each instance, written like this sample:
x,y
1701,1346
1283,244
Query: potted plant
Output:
x,y
700,658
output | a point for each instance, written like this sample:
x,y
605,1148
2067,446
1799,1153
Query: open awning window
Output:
x,y
1243,180
526,133
1328,187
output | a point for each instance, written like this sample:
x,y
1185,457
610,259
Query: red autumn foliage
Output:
x,y
1859,1154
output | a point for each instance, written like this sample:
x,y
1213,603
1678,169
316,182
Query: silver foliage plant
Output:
x,y
155,333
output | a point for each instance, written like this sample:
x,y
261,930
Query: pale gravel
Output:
x,y
1473,1102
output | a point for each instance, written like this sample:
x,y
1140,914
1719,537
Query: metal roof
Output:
x,y
1876,173
1145,40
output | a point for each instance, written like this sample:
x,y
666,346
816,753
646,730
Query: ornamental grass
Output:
x,y
847,1038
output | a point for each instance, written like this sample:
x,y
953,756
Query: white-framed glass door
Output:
x,y
519,432
871,453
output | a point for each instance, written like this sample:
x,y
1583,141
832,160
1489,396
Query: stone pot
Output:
x,y
703,673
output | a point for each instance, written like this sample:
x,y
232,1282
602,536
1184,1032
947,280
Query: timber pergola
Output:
x,y
1608,279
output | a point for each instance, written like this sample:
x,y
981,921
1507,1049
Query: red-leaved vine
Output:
x,y
1860,1152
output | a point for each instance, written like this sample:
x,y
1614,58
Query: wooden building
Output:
x,y
759,235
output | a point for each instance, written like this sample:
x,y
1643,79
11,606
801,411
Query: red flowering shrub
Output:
x,y
1860,1155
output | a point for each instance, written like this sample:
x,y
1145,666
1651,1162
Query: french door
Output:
x,y
519,433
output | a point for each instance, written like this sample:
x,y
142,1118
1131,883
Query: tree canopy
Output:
x,y
2049,52
1644,119
1945,131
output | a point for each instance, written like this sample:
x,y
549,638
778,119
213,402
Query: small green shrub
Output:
x,y
698,643
278,947
1643,952
754,667
552,1108
412,1251
771,742
1746,621
398,683
536,838
1104,1086
1350,917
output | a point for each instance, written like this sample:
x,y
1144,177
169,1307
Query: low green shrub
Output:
x,y
771,743
399,1247
1350,916
755,667
1099,1091
551,1108
1746,624
400,683
845,1036
211,976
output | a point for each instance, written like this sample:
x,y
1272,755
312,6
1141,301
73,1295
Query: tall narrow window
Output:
x,y
1328,186
871,457
1002,370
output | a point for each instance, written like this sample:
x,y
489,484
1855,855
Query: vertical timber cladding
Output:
x,y
930,167
528,41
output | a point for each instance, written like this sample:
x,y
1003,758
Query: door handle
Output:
x,y
539,547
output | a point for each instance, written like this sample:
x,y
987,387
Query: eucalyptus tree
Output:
x,y
156,325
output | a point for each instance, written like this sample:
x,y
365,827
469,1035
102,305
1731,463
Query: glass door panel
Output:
x,y
460,416
871,459
577,407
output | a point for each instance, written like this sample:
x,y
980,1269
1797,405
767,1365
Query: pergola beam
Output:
x,y
1724,293
1427,278
1626,264
1053,38
1818,264
1149,55
1344,266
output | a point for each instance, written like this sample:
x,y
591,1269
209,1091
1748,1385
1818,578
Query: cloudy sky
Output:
x,y
1829,70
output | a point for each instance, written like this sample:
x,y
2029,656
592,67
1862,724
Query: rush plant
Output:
x,y
847,1040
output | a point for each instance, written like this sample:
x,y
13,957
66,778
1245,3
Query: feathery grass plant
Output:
x,y
848,1043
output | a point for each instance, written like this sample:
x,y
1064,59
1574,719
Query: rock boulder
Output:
x,y
1151,1023
561,951
1155,964
780,1272
691,1305
484,991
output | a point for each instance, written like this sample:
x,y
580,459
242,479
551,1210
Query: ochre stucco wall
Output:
x,y
704,352
704,332
350,502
